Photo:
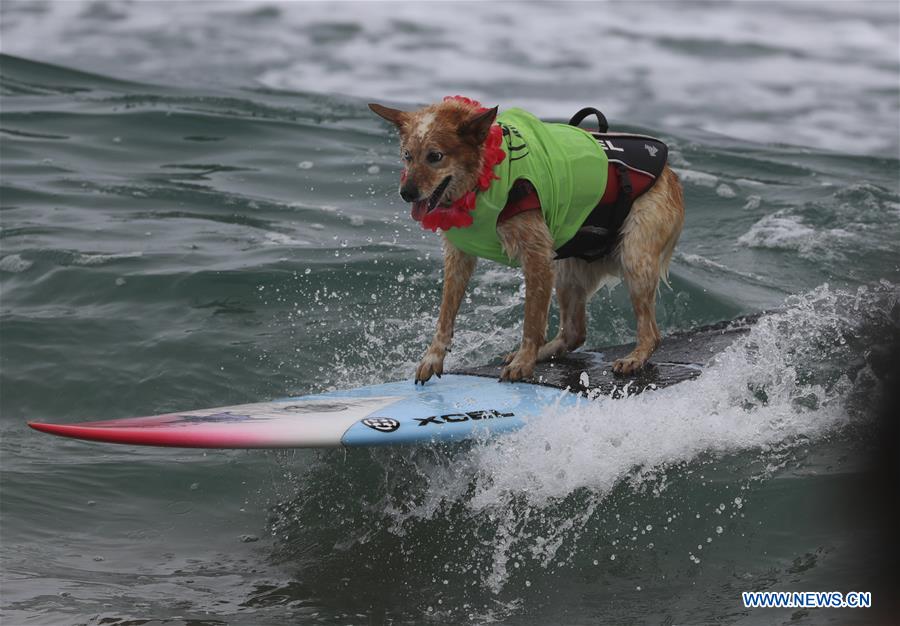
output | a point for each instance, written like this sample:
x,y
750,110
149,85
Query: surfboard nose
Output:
x,y
69,430
44,428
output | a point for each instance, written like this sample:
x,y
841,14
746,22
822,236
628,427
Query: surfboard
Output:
x,y
464,405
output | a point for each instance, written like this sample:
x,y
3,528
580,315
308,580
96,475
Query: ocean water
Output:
x,y
198,209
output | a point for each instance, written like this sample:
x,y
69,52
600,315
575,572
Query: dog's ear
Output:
x,y
477,127
394,116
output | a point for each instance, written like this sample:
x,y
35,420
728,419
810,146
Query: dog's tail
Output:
x,y
676,204
664,261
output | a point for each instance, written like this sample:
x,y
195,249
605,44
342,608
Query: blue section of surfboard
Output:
x,y
465,405
454,407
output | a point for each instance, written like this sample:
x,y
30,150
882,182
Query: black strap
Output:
x,y
599,236
618,214
583,113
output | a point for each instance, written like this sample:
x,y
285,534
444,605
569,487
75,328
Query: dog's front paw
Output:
x,y
631,364
432,364
520,367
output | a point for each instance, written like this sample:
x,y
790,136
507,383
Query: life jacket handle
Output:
x,y
583,113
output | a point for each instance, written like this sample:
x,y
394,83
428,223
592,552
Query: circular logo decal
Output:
x,y
382,424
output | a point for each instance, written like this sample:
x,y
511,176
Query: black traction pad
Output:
x,y
680,357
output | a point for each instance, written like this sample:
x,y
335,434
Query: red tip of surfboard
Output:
x,y
46,428
69,430
110,435
137,436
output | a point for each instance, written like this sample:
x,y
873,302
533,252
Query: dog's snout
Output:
x,y
409,192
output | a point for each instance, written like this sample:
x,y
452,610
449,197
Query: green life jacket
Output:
x,y
567,167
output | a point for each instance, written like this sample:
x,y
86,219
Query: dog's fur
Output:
x,y
648,238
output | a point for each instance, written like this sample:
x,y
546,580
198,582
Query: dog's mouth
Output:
x,y
421,208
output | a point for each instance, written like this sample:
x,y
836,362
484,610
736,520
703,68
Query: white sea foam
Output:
x,y
753,202
780,230
785,231
725,191
692,177
282,239
100,259
13,263
697,260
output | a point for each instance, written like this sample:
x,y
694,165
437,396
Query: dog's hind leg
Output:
x,y
649,236
642,280
577,281
572,323
572,295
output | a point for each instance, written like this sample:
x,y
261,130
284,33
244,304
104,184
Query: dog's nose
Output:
x,y
409,192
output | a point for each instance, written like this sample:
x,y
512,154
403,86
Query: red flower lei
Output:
x,y
457,215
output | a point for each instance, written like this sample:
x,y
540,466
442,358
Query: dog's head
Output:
x,y
441,147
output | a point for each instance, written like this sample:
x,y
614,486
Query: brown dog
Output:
x,y
443,147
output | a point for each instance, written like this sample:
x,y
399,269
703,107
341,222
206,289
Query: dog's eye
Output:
x,y
407,156
434,156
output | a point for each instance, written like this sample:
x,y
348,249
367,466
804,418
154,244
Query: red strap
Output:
x,y
523,196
